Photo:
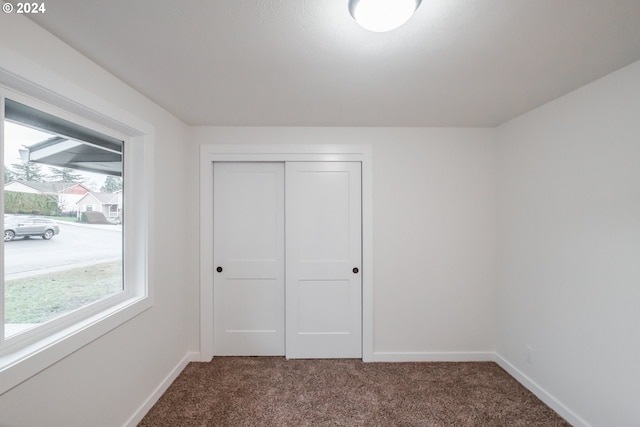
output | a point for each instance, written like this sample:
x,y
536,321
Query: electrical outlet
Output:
x,y
528,357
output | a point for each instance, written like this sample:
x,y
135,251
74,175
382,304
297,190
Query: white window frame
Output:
x,y
26,354
86,208
211,153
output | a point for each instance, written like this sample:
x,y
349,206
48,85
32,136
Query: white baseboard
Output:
x,y
416,356
159,391
541,393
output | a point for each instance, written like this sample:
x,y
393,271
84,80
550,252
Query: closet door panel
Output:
x,y
323,259
248,218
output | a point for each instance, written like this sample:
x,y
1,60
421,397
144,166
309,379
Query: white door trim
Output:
x,y
210,153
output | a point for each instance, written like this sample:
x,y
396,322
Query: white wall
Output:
x,y
105,383
560,192
434,213
434,233
569,248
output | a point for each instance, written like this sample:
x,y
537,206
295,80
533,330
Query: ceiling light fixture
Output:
x,y
382,15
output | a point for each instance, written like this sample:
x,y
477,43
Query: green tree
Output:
x,y
112,184
65,175
28,171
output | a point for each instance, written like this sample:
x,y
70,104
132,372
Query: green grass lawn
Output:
x,y
40,298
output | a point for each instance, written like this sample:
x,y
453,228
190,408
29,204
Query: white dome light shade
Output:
x,y
382,15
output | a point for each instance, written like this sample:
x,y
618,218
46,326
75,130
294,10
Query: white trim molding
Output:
x,y
210,153
434,356
542,394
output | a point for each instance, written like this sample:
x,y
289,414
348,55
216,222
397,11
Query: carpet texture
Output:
x,y
271,391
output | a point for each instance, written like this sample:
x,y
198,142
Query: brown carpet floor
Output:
x,y
271,391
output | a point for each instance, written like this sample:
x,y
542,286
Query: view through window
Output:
x,y
63,210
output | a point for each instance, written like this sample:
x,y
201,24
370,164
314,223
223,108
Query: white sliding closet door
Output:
x,y
323,260
248,218
320,222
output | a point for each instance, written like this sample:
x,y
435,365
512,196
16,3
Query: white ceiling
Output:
x,y
307,63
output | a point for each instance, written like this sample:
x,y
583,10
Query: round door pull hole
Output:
x,y
219,269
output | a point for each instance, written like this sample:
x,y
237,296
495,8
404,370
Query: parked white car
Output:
x,y
28,226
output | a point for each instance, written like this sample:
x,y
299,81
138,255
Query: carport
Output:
x,y
74,147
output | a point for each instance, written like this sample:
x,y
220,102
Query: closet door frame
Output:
x,y
210,153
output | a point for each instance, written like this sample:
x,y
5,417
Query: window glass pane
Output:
x,y
63,218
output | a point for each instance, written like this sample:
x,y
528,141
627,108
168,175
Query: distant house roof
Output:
x,y
102,198
58,187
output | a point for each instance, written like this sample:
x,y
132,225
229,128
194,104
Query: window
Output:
x,y
65,279
77,262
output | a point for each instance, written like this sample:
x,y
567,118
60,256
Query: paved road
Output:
x,y
75,245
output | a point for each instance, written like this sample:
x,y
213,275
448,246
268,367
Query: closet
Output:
x,y
287,250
